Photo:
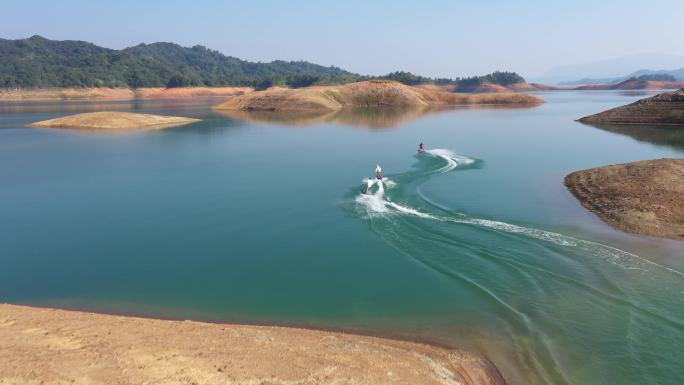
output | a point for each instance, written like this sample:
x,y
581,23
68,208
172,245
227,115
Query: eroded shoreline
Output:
x,y
644,197
116,94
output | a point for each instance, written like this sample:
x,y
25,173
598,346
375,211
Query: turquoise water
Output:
x,y
476,246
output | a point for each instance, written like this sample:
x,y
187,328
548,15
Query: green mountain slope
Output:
x,y
39,62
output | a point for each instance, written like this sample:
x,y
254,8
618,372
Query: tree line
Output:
x,y
497,77
40,62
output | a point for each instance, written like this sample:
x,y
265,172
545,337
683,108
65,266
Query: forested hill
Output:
x,y
40,62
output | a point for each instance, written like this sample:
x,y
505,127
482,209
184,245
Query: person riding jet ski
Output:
x,y
421,147
378,172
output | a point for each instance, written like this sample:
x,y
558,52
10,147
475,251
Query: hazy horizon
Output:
x,y
428,39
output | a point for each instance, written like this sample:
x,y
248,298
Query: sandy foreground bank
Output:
x,y
114,121
48,346
645,197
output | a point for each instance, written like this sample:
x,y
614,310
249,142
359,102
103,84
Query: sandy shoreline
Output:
x,y
116,94
40,345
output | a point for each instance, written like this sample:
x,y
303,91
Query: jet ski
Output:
x,y
371,182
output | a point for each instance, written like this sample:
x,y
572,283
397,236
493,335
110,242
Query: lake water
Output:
x,y
259,219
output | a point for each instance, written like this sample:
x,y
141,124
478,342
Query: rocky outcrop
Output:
x,y
665,108
645,197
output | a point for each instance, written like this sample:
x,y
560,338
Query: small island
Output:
x,y
645,197
59,346
666,108
114,121
371,93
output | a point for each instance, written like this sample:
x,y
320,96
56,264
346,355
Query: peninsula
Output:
x,y
632,84
371,93
645,197
665,108
114,121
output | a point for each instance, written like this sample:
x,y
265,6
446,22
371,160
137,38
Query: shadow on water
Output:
x,y
374,118
667,136
209,125
22,107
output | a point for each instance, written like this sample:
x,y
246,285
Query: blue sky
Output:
x,y
430,37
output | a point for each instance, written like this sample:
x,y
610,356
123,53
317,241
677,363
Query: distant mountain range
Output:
x,y
40,62
664,75
611,70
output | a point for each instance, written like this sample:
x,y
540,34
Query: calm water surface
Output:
x,y
251,219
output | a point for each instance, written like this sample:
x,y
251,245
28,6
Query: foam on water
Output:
x,y
409,211
543,235
373,202
376,204
453,160
609,254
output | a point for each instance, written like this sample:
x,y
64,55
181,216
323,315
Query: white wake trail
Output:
x,y
610,254
377,205
453,160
